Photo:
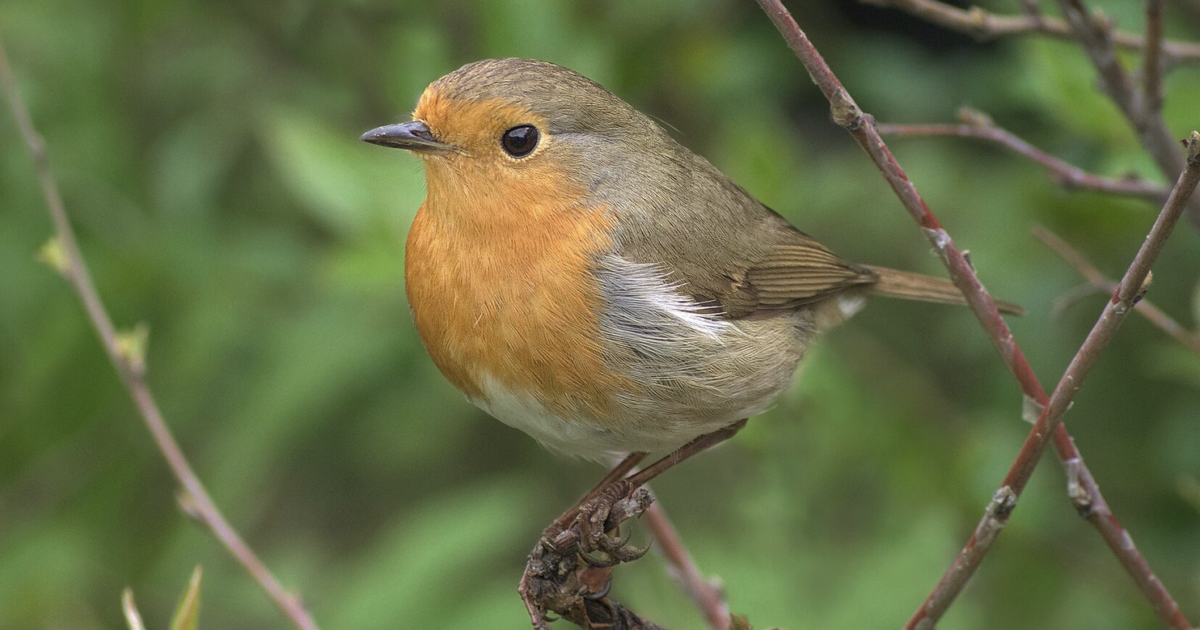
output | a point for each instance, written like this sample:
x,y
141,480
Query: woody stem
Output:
x,y
1048,429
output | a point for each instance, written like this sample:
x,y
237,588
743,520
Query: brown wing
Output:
x,y
802,272
783,271
762,267
721,246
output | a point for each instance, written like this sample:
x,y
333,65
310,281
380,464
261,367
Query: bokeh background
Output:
x,y
209,156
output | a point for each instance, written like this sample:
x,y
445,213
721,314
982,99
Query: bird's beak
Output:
x,y
413,136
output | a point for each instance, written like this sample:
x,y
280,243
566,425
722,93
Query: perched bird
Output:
x,y
583,277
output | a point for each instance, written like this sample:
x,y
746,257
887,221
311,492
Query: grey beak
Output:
x,y
413,136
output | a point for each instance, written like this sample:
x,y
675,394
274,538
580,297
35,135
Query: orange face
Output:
x,y
479,169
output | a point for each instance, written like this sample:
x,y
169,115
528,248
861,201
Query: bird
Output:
x,y
583,277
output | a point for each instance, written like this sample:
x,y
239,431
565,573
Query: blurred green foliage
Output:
x,y
208,155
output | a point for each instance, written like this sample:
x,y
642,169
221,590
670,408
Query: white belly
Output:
x,y
689,372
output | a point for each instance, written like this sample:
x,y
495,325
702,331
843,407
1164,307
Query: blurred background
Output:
x,y
208,154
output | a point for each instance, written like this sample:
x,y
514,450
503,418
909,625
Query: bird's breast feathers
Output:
x,y
553,332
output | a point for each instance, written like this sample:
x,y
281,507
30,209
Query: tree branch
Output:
x,y
847,114
1152,59
1103,283
1081,486
706,595
980,126
1100,41
131,369
1095,35
983,26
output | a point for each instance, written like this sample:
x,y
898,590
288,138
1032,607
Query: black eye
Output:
x,y
520,141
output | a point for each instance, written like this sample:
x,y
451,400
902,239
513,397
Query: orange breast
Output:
x,y
500,288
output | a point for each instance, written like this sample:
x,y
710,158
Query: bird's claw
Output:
x,y
604,513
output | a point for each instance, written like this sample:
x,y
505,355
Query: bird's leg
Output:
x,y
553,575
554,534
609,505
561,572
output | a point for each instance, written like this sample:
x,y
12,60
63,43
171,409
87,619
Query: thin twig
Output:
x,y
132,372
983,25
1129,291
1189,7
1152,60
1061,172
1100,41
1095,34
1082,488
1102,283
861,127
706,595
1072,297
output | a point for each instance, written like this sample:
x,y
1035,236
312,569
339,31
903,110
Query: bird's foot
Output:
x,y
572,563
601,543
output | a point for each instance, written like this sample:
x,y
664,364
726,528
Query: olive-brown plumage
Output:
x,y
582,276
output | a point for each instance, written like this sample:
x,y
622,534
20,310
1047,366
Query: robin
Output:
x,y
583,277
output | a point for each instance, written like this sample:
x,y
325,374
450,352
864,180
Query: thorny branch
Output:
x,y
983,25
1100,282
132,371
861,126
980,126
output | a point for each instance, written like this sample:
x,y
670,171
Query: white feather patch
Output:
x,y
521,410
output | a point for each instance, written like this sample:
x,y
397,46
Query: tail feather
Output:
x,y
914,286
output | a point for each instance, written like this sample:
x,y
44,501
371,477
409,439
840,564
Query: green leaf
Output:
x,y
187,613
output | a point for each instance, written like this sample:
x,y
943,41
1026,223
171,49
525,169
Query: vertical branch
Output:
x,y
1152,60
707,596
132,370
1095,35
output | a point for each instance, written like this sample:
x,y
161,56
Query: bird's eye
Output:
x,y
520,141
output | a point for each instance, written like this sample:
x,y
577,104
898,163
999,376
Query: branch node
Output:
x,y
975,118
129,346
1076,492
1031,408
978,19
938,237
1003,503
187,503
54,255
1104,25
1141,292
1193,148
845,111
